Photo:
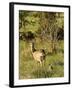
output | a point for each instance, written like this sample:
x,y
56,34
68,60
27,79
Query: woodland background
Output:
x,y
47,30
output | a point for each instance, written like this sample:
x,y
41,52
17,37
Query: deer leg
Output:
x,y
38,69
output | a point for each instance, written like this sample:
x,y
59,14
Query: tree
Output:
x,y
22,20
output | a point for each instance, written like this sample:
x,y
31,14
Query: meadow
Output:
x,y
30,69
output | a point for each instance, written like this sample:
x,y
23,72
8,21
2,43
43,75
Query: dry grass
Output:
x,y
29,68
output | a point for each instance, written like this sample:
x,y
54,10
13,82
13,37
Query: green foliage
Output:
x,y
43,24
47,30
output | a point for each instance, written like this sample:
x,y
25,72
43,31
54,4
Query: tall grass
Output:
x,y
29,68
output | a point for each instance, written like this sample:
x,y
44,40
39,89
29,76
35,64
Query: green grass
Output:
x,y
29,68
